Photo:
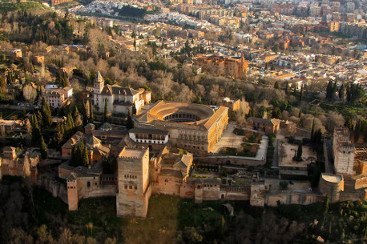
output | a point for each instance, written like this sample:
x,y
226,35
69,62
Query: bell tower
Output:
x,y
98,83
98,87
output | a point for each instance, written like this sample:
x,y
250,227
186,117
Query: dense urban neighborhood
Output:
x,y
188,121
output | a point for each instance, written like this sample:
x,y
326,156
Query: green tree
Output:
x,y
36,136
130,122
78,122
298,156
46,113
283,185
105,112
43,148
79,155
85,157
329,90
314,172
301,94
62,78
2,85
59,135
70,125
342,93
276,85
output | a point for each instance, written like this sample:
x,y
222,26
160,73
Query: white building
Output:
x,y
119,99
56,97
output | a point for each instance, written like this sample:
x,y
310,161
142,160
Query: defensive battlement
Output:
x,y
130,153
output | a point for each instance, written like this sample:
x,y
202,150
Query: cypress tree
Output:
x,y
76,159
301,94
329,90
299,152
59,136
85,156
349,95
105,110
78,122
39,119
2,85
36,136
276,85
91,112
46,113
130,122
70,122
342,93
43,148
313,130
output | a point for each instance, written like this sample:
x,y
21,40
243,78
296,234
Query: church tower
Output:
x,y
98,83
98,87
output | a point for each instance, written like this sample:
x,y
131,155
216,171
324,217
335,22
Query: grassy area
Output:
x,y
7,6
247,150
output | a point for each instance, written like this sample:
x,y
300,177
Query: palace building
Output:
x,y
194,127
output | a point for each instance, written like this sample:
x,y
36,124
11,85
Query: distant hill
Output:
x,y
7,6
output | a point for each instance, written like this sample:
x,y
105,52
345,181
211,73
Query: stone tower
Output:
x,y
344,152
133,185
72,188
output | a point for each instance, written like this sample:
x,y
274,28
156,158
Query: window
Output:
x,y
88,184
125,186
130,187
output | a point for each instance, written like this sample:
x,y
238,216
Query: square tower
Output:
x,y
344,152
133,182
